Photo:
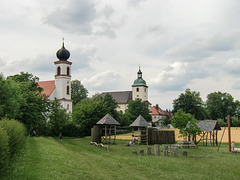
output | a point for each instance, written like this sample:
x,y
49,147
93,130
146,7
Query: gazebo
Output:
x,y
109,129
209,131
142,126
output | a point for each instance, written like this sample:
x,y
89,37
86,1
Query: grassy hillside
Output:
x,y
75,158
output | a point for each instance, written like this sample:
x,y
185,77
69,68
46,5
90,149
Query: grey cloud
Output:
x,y
135,2
81,57
77,17
232,66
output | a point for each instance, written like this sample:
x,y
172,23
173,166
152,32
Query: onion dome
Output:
x,y
63,54
139,81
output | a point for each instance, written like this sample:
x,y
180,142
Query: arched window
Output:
x,y
67,106
68,71
137,89
68,90
58,71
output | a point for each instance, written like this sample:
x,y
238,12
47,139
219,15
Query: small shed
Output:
x,y
209,131
109,129
142,126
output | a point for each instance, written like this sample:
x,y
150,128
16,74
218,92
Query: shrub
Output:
x,y
4,150
16,133
71,130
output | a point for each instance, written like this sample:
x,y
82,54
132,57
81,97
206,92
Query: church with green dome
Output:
x,y
139,90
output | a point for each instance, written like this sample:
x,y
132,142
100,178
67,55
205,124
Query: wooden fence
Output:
x,y
161,137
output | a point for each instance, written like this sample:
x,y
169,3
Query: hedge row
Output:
x,y
12,136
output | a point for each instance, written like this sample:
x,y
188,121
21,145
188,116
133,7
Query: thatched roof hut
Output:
x,y
209,131
139,122
109,124
108,120
208,125
142,126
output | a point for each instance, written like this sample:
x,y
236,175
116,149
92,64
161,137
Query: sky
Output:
x,y
178,44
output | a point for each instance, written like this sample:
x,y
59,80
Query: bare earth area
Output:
x,y
235,135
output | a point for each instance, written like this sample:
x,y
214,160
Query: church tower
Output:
x,y
140,88
63,78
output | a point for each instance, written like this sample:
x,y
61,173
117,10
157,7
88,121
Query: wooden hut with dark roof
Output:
x,y
142,126
209,131
109,129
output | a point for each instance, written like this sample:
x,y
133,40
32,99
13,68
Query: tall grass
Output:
x,y
75,158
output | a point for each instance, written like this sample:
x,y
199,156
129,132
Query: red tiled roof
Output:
x,y
156,110
48,87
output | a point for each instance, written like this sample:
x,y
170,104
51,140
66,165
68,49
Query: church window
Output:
x,y
58,71
68,71
67,106
137,89
68,90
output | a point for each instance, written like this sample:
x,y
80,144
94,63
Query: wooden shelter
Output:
x,y
142,126
109,129
209,132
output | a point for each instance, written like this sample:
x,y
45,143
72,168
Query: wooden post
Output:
x,y
210,138
216,137
175,152
134,152
115,134
229,134
184,153
109,134
149,152
156,149
141,152
105,133
165,150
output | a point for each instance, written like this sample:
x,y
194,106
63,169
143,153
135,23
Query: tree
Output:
x,y
135,108
190,102
220,105
186,123
58,118
34,106
88,112
166,121
235,121
10,98
78,92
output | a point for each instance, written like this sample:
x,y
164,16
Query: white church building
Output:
x,y
139,90
60,88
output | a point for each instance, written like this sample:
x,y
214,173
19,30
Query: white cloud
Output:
x,y
106,80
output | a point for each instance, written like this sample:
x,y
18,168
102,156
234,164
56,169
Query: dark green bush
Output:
x,y
16,132
4,150
71,130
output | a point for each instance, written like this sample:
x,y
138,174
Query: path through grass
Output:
x,y
75,158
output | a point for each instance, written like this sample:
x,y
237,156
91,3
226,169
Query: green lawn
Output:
x,y
75,158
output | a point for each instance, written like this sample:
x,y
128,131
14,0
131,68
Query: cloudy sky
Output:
x,y
179,44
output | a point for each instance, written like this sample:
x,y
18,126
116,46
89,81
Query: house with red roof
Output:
x,y
158,115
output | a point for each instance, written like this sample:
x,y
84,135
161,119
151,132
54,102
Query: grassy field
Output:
x,y
75,158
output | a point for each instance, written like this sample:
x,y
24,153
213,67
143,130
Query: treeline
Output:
x,y
217,106
21,98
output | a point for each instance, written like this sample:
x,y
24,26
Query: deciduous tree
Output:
x,y
78,92
190,102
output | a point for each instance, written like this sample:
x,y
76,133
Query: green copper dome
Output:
x,y
139,81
